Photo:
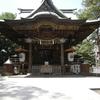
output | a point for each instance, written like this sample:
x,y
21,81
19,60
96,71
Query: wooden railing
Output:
x,y
55,70
36,69
16,61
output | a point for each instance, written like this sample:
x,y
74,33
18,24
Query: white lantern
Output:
x,y
28,40
70,57
22,57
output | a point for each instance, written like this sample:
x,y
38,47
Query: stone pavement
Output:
x,y
77,88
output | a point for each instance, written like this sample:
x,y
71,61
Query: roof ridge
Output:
x,y
47,5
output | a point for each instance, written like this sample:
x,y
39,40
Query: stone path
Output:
x,y
49,88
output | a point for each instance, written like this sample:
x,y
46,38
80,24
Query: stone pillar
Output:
x,y
62,54
30,58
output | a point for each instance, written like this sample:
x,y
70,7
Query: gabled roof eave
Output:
x,y
50,3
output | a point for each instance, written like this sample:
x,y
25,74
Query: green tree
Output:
x,y
7,15
84,14
7,47
91,9
86,51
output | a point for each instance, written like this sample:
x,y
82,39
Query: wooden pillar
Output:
x,y
62,54
30,58
23,71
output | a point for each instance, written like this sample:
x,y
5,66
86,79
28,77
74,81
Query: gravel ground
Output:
x,y
48,88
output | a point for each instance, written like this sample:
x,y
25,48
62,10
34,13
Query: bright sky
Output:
x,y
12,5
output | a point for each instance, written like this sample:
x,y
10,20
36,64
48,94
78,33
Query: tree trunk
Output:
x,y
98,49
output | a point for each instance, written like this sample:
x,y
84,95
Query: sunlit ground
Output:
x,y
49,88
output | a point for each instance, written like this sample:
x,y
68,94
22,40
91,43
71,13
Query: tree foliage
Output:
x,y
86,51
84,14
7,15
91,9
7,47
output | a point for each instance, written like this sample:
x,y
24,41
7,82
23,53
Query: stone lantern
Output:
x,y
22,57
8,67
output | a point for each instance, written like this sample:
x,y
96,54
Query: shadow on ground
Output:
x,y
12,91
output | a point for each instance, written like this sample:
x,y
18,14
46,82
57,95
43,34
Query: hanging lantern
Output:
x,y
28,40
21,55
62,40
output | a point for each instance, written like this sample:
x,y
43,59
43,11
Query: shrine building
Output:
x,y
46,34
